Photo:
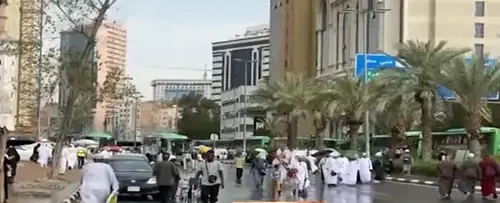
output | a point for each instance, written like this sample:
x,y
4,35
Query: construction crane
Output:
x,y
205,70
29,71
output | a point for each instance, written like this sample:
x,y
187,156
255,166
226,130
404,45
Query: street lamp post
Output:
x,y
374,10
245,83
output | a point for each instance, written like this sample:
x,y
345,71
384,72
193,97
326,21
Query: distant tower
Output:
x,y
205,75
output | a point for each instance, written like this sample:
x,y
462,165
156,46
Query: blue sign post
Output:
x,y
374,62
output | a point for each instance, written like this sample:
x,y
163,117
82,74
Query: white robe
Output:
x,y
63,160
331,165
351,173
97,181
72,157
302,176
43,155
365,167
344,163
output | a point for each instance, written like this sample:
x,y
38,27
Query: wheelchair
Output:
x,y
190,191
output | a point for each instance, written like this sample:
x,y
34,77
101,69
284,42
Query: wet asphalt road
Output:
x,y
386,192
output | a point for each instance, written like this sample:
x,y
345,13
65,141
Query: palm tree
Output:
x,y
275,125
423,62
348,95
289,98
319,107
401,113
471,81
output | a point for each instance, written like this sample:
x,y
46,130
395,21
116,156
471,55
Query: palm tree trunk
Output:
x,y
397,133
293,122
353,135
472,126
320,126
426,108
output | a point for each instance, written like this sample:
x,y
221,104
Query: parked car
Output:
x,y
134,174
25,151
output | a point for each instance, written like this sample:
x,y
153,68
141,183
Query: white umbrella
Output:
x,y
260,150
86,142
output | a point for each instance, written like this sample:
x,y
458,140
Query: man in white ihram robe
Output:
x,y
331,169
344,162
43,156
365,168
63,160
302,176
98,182
351,173
71,157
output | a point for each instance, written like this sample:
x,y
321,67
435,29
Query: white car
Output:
x,y
25,151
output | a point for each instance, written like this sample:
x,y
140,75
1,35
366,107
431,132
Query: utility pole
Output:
x,y
371,9
135,122
245,84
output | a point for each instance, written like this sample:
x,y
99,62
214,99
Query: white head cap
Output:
x,y
356,156
378,154
335,154
471,155
363,154
407,151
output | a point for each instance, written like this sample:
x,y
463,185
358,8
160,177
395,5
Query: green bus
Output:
x,y
308,142
172,142
457,139
251,142
450,141
413,142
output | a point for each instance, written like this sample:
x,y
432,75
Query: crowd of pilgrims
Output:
x,y
291,171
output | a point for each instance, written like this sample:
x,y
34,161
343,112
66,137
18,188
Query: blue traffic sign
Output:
x,y
374,62
447,94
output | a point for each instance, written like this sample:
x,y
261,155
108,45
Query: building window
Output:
x,y
479,30
479,9
479,49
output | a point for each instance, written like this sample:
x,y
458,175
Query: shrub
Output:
x,y
425,168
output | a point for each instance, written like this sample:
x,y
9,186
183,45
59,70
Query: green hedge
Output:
x,y
424,168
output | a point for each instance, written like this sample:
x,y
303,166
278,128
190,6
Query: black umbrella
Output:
x,y
323,153
16,140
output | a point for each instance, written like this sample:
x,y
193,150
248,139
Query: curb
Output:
x,y
425,182
73,197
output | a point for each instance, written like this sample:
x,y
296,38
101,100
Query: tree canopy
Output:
x,y
199,117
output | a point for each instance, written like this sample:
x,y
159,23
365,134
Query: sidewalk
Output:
x,y
422,180
32,182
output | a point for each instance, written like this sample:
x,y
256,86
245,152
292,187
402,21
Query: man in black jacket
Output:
x,y
167,178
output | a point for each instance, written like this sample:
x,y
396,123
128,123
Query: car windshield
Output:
x,y
130,166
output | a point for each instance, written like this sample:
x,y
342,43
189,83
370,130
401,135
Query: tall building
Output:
x,y
231,57
292,38
237,113
8,81
293,43
9,34
112,50
166,89
122,118
463,23
158,116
